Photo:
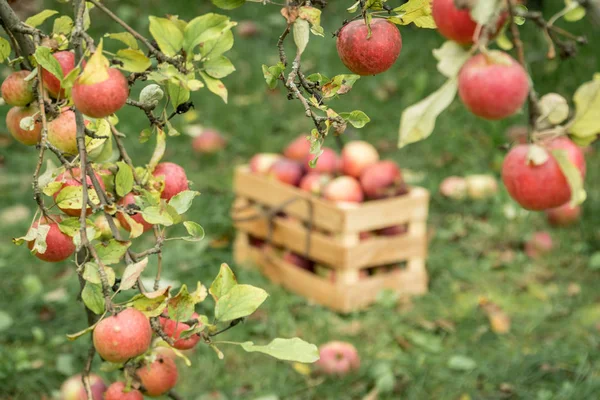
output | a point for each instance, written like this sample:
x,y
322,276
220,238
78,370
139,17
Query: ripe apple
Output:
x,y
493,85
59,246
383,179
574,152
298,149
564,215
174,329
209,142
13,123
344,189
366,55
73,389
539,244
247,29
286,171
123,336
328,162
62,133
454,187
314,183
356,156
116,391
455,24
393,230
128,202
175,179
338,358
101,99
262,162
66,59
481,186
16,91
158,377
298,261
72,178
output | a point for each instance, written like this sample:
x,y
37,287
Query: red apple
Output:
x,y
128,202
356,156
564,215
481,186
73,389
116,391
366,55
174,329
493,85
62,133
314,183
539,244
66,59
16,91
383,179
13,121
365,235
123,336
299,149
574,152
454,187
262,162
455,24
286,171
328,162
298,261
338,358
158,377
344,189
209,141
59,246
72,178
175,179
101,99
393,230
247,29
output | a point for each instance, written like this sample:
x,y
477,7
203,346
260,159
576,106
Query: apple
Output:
x,y
122,336
456,24
174,329
298,149
72,178
59,246
208,142
383,179
338,358
99,100
481,186
574,152
247,29
73,389
174,177
101,225
66,59
356,156
13,123
330,274
369,55
158,377
116,391
262,162
344,189
564,215
298,261
314,183
539,244
454,187
128,202
256,242
328,162
16,91
493,85
365,235
62,133
393,230
286,171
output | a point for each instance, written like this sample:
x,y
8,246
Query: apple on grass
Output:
x,y
456,24
454,187
383,179
481,187
356,156
73,389
116,391
59,246
564,215
101,99
209,141
122,336
16,91
344,189
539,244
338,358
174,178
158,377
286,171
13,123
298,149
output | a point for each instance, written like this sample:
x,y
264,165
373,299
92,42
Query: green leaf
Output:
x,y
177,93
93,298
151,304
124,179
70,197
182,201
301,34
576,11
181,307
294,349
62,25
594,261
157,215
44,57
573,175
218,46
124,37
418,121
219,67
92,275
96,69
339,85
90,328
132,273
204,28
228,4
451,57
357,118
223,283
6,321
39,18
195,230
586,122
240,301
133,60
167,35
112,252
215,86
272,74
461,363
5,49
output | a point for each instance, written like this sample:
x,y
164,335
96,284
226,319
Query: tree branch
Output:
x,y
12,23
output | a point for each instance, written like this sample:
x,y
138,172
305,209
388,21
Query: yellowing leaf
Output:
x,y
499,320
587,109
414,11
571,172
124,37
451,57
301,34
553,108
133,60
96,70
215,86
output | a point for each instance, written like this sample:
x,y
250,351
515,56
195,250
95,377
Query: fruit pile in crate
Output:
x,y
337,232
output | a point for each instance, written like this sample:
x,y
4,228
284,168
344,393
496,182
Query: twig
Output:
x,y
157,328
43,145
13,24
172,394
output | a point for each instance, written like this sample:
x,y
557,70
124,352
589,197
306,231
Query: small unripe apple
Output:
x,y
314,183
454,187
338,358
174,329
539,244
101,99
66,59
59,246
128,202
116,391
262,162
344,189
393,230
356,156
286,171
101,225
123,336
13,123
481,186
493,85
328,162
209,142
298,149
16,91
73,389
175,179
564,215
298,260
456,24
158,377
62,133
383,179
72,178
369,55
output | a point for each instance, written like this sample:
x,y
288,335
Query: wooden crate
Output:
x,y
333,241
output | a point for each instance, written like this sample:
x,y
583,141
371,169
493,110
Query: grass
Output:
x,y
439,346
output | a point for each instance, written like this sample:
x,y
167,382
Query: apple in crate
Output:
x,y
298,149
383,179
356,156
286,171
393,230
344,189
298,260
262,162
328,162
315,183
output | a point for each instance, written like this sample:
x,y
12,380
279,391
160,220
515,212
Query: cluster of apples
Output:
x,y
128,335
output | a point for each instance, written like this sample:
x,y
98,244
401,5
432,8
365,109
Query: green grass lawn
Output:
x,y
439,346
